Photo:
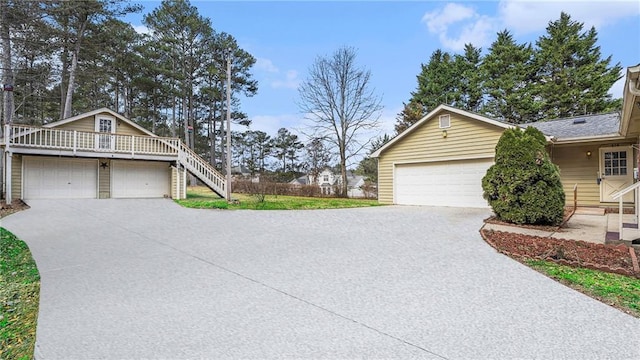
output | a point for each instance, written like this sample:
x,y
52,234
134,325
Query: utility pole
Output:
x,y
228,187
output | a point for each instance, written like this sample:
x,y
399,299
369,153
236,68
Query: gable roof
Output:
x,y
95,112
585,127
430,115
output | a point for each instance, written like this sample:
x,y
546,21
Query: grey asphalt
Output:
x,y
147,279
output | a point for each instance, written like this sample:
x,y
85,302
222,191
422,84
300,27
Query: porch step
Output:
x,y
590,211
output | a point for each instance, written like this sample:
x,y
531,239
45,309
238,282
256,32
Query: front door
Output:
x,y
105,127
616,172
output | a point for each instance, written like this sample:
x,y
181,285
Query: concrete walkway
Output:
x,y
132,279
590,228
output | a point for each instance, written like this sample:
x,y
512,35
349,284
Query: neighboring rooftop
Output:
x,y
580,126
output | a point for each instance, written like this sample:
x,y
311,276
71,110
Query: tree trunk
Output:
x,y
72,79
7,69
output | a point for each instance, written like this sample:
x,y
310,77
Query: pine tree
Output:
x,y
436,82
508,73
573,79
468,79
412,112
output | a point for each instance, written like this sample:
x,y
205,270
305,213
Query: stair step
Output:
x,y
589,211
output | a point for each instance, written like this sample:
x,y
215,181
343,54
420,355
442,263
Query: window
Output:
x,y
325,178
615,163
105,126
445,121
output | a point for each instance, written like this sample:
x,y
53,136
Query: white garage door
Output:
x,y
139,179
452,183
59,178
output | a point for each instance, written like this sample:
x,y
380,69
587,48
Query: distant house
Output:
x,y
328,181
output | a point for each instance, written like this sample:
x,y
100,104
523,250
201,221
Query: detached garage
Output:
x,y
440,160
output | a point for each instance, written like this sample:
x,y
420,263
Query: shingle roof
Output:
x,y
580,126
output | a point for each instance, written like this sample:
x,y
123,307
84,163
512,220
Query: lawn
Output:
x,y
619,291
19,298
200,197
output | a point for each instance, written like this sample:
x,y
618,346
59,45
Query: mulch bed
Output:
x,y
16,205
619,259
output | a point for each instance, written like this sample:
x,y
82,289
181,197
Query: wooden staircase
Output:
x,y
201,169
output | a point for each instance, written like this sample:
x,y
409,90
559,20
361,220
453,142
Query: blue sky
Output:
x,y
392,39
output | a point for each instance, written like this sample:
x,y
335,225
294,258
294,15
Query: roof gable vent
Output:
x,y
445,121
579,121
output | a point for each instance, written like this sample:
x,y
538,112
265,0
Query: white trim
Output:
x,y
431,114
448,118
629,150
629,97
589,139
96,112
99,134
443,159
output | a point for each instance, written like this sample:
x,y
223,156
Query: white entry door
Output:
x,y
139,179
59,178
616,172
450,183
105,127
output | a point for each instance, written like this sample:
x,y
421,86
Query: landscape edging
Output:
x,y
615,270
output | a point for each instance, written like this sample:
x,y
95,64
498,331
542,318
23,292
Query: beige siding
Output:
x,y
178,188
104,178
16,176
124,128
89,124
466,139
84,124
577,168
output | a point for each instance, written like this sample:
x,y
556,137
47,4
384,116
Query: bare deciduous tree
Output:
x,y
338,100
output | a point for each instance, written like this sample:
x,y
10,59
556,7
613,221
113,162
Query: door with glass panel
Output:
x,y
616,172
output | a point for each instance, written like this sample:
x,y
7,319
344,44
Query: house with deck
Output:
x,y
98,155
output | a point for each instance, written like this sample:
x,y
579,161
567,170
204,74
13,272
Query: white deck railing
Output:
x,y
620,196
72,140
202,170
23,136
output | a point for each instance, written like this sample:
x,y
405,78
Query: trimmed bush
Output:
x,y
524,186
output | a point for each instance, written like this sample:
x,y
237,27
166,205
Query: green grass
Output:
x,y
19,298
202,198
620,291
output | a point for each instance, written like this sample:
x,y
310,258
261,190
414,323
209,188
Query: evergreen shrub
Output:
x,y
524,187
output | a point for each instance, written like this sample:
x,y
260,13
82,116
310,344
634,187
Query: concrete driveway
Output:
x,y
148,279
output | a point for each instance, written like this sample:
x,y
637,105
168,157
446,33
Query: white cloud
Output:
x,y
470,25
457,24
141,29
532,16
291,81
266,65
439,21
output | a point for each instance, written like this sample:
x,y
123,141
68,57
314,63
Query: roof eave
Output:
x,y
427,117
630,92
95,112
587,139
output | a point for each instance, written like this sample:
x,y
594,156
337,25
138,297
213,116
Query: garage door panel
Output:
x,y
455,183
139,179
59,178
